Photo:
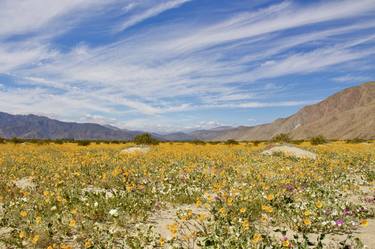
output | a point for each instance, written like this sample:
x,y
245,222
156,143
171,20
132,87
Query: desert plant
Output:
x,y
231,142
83,143
2,140
198,142
256,143
281,138
356,140
16,140
145,138
318,140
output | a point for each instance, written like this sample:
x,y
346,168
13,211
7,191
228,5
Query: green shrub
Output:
x,y
16,140
297,141
198,142
59,141
318,140
356,141
231,142
83,143
145,138
256,143
281,138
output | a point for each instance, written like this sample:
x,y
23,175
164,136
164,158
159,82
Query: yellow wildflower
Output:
x,y
72,223
88,244
245,225
270,197
286,243
307,222
35,239
242,210
319,204
161,241
267,209
22,234
257,237
23,214
364,223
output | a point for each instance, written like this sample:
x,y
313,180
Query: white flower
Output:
x,y
53,208
113,212
96,204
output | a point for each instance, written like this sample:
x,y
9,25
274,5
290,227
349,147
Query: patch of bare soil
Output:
x,y
290,151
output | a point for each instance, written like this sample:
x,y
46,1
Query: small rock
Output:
x,y
25,183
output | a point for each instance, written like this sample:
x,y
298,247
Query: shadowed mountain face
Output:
x,y
32,126
345,115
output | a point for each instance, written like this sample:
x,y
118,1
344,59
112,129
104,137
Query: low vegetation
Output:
x,y
282,138
318,140
145,139
69,196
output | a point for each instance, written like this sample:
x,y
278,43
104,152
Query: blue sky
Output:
x,y
180,64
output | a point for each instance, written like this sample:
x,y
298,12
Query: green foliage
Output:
x,y
356,141
256,143
318,140
297,141
83,143
145,138
16,140
198,142
281,138
231,142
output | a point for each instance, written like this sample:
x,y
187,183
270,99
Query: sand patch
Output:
x,y
290,151
168,224
133,150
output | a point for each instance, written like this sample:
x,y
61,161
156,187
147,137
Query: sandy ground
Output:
x,y
132,150
290,151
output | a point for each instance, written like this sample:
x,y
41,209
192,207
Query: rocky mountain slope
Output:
x,y
347,114
32,126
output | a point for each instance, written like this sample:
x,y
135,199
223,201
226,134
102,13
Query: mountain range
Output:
x,y
347,114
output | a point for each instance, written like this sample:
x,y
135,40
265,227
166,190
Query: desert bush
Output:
x,y
145,138
256,143
198,142
297,141
318,140
59,141
281,138
355,141
83,143
214,142
2,140
231,142
16,140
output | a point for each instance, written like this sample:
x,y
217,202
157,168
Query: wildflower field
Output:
x,y
181,195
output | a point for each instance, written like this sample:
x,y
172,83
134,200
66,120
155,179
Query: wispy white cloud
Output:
x,y
148,12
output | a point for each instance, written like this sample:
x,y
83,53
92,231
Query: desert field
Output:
x,y
183,195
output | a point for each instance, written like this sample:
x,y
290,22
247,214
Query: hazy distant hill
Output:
x,y
32,126
347,114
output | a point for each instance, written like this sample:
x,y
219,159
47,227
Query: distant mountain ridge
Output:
x,y
38,127
347,114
